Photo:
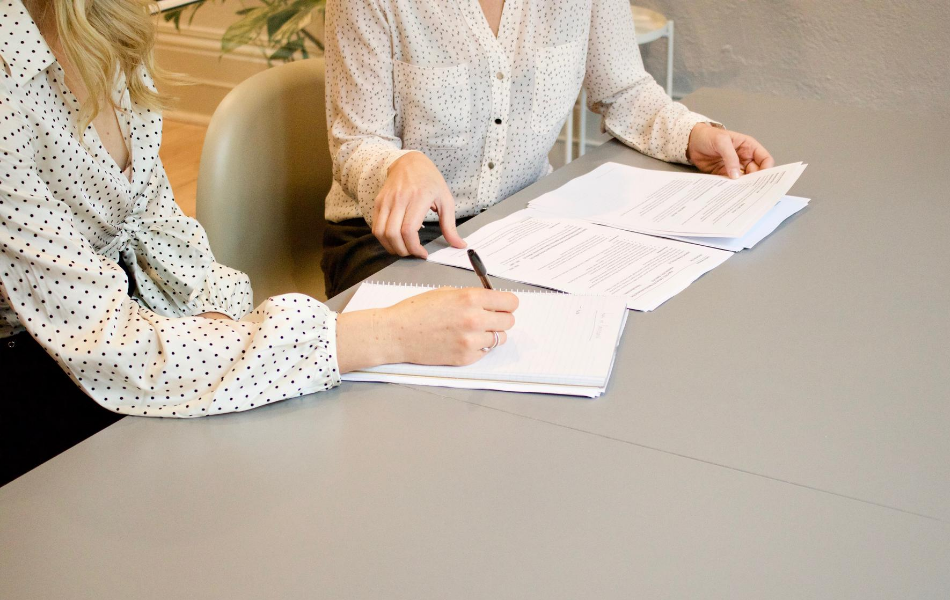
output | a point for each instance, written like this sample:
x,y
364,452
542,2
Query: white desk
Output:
x,y
375,491
841,315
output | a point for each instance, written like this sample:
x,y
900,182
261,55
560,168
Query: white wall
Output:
x,y
886,54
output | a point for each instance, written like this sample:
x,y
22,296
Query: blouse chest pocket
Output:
x,y
434,105
558,75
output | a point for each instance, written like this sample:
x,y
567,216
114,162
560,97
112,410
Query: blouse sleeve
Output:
x,y
175,271
360,111
635,108
128,358
225,290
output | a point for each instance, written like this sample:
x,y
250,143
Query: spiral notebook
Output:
x,y
560,344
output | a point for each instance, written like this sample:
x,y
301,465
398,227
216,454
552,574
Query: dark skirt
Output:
x,y
42,412
351,253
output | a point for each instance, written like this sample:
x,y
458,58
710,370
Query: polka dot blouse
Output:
x,y
404,75
107,274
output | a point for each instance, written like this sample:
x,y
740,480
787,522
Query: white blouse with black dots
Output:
x,y
107,273
404,75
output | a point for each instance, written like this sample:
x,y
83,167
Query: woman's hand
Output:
x,y
446,326
724,152
413,186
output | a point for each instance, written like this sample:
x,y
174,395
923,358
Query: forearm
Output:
x,y
635,108
363,340
360,113
663,135
440,327
362,167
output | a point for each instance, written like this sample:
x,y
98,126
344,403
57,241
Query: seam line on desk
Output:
x,y
677,454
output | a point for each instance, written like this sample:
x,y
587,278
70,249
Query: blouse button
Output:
x,y
491,165
497,121
11,344
500,75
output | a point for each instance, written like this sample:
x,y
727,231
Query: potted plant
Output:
x,y
283,22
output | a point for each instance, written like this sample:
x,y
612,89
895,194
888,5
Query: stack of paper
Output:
x,y
578,257
639,234
560,344
671,203
786,207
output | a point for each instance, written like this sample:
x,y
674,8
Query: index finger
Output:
x,y
495,300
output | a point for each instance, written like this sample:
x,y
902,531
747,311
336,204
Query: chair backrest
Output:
x,y
264,175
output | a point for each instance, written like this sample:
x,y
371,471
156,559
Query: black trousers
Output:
x,y
42,412
351,252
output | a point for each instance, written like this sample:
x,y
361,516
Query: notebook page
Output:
x,y
557,339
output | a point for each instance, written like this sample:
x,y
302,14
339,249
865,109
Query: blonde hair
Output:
x,y
102,38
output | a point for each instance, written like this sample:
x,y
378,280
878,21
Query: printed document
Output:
x,y
578,257
671,203
786,207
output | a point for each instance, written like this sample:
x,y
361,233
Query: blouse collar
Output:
x,y
27,54
21,44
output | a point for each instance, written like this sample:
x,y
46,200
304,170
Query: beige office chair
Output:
x,y
264,176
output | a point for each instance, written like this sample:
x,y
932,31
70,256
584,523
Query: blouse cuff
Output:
x,y
225,290
331,363
684,125
299,320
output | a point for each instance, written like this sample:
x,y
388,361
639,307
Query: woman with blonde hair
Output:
x,y
109,292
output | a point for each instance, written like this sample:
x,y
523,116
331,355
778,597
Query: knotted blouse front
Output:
x,y
108,274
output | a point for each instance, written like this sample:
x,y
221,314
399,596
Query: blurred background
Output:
x,y
887,55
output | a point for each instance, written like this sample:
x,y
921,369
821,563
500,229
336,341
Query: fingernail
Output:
x,y
734,173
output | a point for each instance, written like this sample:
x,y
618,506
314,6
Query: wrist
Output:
x,y
389,346
406,159
364,339
690,144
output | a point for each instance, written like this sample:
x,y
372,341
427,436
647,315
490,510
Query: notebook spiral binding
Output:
x,y
458,287
541,291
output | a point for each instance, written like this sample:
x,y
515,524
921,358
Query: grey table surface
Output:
x,y
822,356
776,430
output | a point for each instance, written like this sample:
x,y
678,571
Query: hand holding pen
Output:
x,y
479,267
482,273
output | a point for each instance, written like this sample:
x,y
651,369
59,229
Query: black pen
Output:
x,y
479,269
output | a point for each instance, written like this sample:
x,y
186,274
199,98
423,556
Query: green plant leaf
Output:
x,y
287,51
245,29
283,21
174,16
296,22
194,9
277,20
